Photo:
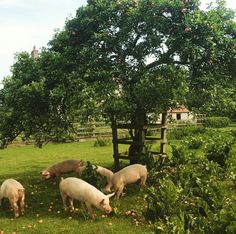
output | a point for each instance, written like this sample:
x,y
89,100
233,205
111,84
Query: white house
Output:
x,y
180,113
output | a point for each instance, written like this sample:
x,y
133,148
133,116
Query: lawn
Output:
x,y
44,210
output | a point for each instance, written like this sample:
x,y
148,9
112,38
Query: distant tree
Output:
x,y
129,58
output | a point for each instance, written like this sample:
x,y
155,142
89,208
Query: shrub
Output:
x,y
231,167
186,200
183,132
233,133
194,142
101,142
218,148
162,201
225,219
216,122
150,160
180,155
91,176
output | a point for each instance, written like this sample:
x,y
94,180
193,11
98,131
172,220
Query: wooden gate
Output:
x,y
116,140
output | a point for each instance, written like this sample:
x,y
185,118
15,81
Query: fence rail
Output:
x,y
96,130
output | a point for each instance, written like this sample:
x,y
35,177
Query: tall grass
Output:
x,y
44,211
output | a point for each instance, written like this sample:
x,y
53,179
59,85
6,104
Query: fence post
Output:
x,y
115,143
163,134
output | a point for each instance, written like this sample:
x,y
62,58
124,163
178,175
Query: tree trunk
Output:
x,y
137,134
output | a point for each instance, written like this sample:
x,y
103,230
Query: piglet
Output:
x,y
15,192
129,175
66,166
80,190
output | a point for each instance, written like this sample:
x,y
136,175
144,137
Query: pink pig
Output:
x,y
66,166
15,192
78,189
128,175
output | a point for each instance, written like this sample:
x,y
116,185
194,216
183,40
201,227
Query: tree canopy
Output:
x,y
121,57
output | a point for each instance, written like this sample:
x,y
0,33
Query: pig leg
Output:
x,y
90,210
15,208
119,191
108,187
63,196
22,204
143,180
71,203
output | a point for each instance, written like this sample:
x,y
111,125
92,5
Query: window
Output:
x,y
178,116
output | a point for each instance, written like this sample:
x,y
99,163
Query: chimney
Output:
x,y
34,53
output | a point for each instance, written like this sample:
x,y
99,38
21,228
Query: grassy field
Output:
x,y
44,211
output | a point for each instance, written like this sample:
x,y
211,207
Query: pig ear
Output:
x,y
102,201
110,195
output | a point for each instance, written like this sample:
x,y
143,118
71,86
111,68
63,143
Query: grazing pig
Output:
x,y
15,192
128,175
78,189
104,172
66,166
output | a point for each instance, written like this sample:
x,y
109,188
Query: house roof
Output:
x,y
181,109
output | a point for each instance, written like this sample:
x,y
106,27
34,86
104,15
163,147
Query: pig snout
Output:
x,y
107,209
46,175
105,204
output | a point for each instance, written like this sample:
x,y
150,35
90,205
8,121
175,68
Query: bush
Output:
x,y
216,122
188,200
180,155
91,176
101,142
194,142
225,220
231,167
233,133
162,202
218,148
183,132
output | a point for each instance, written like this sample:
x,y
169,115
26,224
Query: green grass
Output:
x,y
44,212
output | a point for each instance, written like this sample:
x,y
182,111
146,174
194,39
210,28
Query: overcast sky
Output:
x,y
28,23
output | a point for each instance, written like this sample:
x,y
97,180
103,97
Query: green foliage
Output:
x,y
218,147
91,176
231,166
28,106
216,122
174,225
163,203
180,133
233,133
194,142
186,196
186,199
102,142
180,155
218,99
225,220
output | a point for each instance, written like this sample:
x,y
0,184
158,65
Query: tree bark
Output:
x,y
138,134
